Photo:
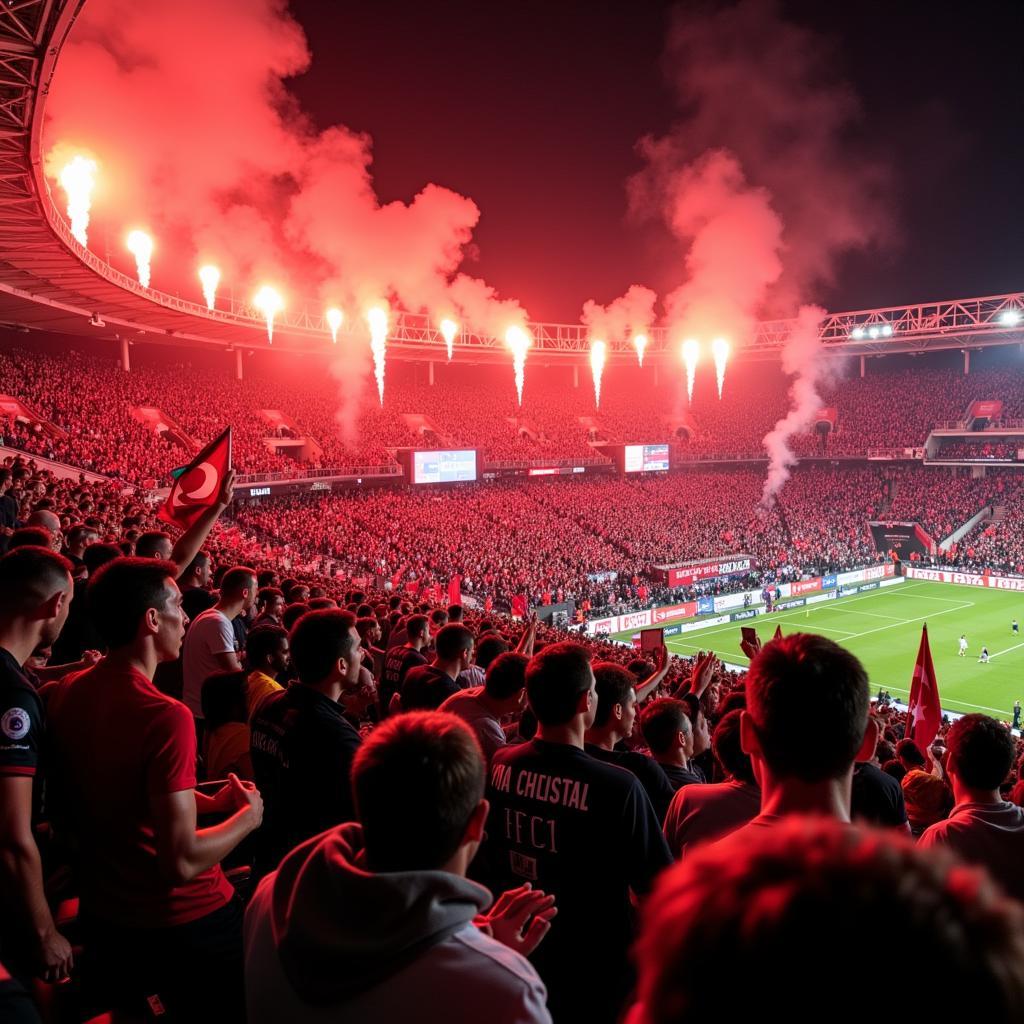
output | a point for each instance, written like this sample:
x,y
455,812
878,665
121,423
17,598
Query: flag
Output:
x,y
778,634
519,606
196,486
455,590
924,714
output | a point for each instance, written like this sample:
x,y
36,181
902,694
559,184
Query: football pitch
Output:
x,y
883,628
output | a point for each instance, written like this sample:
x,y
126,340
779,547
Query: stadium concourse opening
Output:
x,y
374,649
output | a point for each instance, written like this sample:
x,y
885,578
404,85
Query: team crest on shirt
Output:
x,y
15,724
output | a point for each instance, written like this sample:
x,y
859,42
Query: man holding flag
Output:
x,y
924,713
199,494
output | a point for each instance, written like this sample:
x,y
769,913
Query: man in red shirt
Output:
x,y
161,921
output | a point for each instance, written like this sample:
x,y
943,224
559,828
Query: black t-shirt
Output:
x,y
302,753
397,662
679,776
877,797
426,688
195,601
8,510
79,634
586,832
21,726
654,780
21,738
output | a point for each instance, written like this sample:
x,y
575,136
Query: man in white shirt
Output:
x,y
210,641
983,828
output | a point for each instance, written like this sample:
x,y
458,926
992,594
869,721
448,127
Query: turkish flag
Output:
x,y
196,486
455,590
519,606
924,713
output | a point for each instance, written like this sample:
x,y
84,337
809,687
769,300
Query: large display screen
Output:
x,y
444,467
646,458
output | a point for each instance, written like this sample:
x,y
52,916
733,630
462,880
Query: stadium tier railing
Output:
x,y
276,476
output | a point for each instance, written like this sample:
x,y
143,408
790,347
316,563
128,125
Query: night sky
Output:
x,y
533,109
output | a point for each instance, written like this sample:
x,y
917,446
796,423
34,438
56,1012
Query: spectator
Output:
x,y
266,658
614,721
580,829
666,726
701,814
371,920
483,707
302,743
983,828
807,709
210,644
269,606
194,582
876,798
426,687
369,636
725,925
35,594
157,913
400,659
226,738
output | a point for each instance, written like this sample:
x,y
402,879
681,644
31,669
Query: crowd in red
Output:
x,y
663,737
91,401
978,450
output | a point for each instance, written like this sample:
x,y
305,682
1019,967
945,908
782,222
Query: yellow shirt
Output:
x,y
260,687
226,746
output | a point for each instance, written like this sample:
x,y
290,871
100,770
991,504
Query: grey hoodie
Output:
x,y
328,940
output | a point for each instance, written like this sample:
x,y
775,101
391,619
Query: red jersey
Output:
x,y
117,743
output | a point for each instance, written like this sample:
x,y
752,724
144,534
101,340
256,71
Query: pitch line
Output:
x,y
1007,651
952,700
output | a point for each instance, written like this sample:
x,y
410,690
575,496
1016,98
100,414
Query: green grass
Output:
x,y
883,628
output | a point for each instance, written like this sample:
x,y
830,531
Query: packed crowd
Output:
x,y
941,502
91,402
301,800
578,540
979,450
997,546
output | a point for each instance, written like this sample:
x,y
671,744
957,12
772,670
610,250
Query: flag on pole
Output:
x,y
924,713
197,486
455,590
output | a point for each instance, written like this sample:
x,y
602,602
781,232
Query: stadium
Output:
x,y
319,551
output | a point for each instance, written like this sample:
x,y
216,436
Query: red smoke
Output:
x,y
627,316
765,91
185,107
761,184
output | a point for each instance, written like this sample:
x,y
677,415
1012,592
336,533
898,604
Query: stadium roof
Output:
x,y
49,282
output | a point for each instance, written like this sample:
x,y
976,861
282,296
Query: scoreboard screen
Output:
x,y
646,458
444,467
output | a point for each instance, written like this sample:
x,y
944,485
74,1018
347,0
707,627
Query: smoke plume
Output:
x,y
764,184
802,358
185,108
630,314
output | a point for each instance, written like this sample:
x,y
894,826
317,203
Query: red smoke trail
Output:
x,y
761,182
185,106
